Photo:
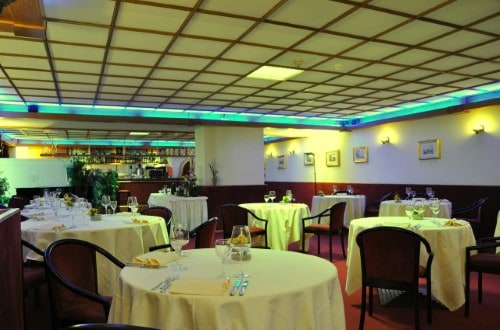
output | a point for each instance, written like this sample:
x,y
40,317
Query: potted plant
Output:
x,y
214,170
4,188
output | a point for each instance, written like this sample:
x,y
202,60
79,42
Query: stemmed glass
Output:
x,y
408,192
105,201
349,189
409,211
272,195
434,205
113,205
334,189
266,198
223,251
179,236
419,208
132,204
241,242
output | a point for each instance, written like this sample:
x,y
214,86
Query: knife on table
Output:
x,y
243,288
236,287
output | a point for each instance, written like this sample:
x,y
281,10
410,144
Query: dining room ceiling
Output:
x,y
99,69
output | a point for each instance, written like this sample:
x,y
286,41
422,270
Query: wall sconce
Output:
x,y
385,141
270,155
479,130
291,152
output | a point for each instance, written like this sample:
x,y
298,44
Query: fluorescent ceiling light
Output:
x,y
274,73
138,133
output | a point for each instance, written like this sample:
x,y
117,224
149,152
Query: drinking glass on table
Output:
x,y
113,205
223,251
266,198
409,211
105,201
334,189
272,195
435,207
241,242
408,192
132,204
179,236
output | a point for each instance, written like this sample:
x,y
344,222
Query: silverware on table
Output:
x,y
236,287
243,288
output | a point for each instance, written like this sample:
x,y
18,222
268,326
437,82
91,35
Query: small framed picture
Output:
x,y
429,149
360,154
308,158
333,158
281,161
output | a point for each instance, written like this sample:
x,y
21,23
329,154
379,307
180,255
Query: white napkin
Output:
x,y
197,286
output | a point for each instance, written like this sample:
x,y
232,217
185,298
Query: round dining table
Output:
x,y
119,234
354,208
191,210
284,224
286,290
448,240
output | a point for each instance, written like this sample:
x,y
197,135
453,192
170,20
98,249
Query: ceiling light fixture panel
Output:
x,y
275,73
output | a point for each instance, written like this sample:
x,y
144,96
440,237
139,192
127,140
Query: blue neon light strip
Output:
x,y
469,96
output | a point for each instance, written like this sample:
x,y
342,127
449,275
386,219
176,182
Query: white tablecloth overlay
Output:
x,y
448,244
191,210
287,290
284,221
355,205
391,208
115,233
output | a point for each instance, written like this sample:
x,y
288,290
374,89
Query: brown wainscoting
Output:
x,y
460,196
220,195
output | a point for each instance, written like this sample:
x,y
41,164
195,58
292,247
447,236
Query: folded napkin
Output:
x,y
204,287
140,221
58,227
156,259
453,223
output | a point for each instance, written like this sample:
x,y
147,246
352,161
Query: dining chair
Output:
x,y
342,192
18,202
372,208
204,234
71,271
471,214
335,226
390,259
160,211
33,273
481,258
233,214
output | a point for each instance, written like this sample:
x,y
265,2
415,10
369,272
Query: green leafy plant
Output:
x,y
214,170
4,188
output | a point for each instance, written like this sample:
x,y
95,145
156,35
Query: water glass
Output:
x,y
223,251
113,205
241,242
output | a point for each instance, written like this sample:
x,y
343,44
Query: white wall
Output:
x,y
466,158
29,173
238,151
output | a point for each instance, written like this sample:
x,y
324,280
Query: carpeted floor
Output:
x,y
483,316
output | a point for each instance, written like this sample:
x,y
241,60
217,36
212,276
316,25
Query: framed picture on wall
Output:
x,y
281,161
360,154
308,158
429,149
333,158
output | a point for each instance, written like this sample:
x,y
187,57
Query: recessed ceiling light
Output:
x,y
274,73
138,133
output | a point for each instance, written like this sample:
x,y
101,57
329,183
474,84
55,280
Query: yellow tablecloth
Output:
x,y
191,210
448,244
391,208
115,233
355,205
284,221
287,290
497,229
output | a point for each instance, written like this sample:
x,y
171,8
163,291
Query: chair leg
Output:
x,y
480,287
303,242
467,292
429,300
342,242
363,308
318,238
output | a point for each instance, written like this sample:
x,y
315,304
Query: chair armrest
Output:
x,y
158,247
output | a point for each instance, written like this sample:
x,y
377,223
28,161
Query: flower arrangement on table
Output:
x,y
68,201
286,199
93,212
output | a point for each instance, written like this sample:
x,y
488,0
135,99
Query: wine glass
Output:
x,y
409,211
179,236
419,208
105,201
58,192
241,242
223,251
435,207
349,189
334,189
408,192
113,205
266,198
272,195
132,204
